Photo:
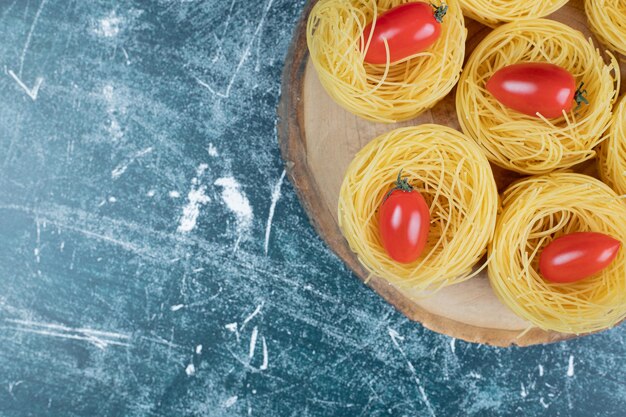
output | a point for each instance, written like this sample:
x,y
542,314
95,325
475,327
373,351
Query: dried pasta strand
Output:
x,y
607,19
381,93
528,144
495,12
612,154
536,211
456,180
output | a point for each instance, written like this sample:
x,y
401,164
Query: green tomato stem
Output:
x,y
440,11
579,96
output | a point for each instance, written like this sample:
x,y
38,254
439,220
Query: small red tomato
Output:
x,y
408,28
577,256
536,87
404,221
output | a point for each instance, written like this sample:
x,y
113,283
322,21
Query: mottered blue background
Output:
x,y
155,261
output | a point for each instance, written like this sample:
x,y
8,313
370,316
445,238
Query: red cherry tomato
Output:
x,y
535,87
408,28
577,256
404,221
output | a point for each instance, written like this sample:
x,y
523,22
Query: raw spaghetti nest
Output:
x,y
608,21
494,12
454,177
536,211
528,144
382,93
612,155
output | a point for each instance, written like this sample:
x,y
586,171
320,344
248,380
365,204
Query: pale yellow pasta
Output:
x,y
536,211
612,154
495,12
456,180
527,144
607,19
381,93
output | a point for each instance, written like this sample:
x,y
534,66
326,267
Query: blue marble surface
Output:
x,y
154,261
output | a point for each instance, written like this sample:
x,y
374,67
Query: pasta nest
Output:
x,y
382,93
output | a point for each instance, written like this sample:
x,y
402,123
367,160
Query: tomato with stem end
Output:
x,y
577,256
536,87
404,222
407,29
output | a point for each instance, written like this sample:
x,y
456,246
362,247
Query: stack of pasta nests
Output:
x,y
453,170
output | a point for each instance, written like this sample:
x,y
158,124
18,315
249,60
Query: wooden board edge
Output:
x,y
291,141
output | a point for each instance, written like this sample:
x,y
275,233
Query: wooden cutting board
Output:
x,y
318,139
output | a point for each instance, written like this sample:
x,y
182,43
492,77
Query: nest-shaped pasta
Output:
x,y
612,154
536,145
456,180
381,93
607,19
495,12
536,211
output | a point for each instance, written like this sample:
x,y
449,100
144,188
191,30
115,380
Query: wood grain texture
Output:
x,y
318,140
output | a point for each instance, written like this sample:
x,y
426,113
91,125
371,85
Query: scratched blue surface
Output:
x,y
154,261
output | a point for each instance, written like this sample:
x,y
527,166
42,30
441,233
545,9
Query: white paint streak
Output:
x,y
119,170
243,58
201,169
189,218
115,129
453,345
98,338
197,197
253,337
109,26
37,250
230,402
107,92
212,150
126,55
72,261
30,36
114,105
198,349
540,370
238,203
65,328
95,341
161,341
143,152
275,197
233,328
523,392
265,357
177,307
190,369
570,366
31,92
174,194
395,336
13,385
252,315
543,403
